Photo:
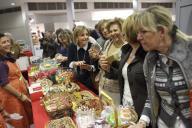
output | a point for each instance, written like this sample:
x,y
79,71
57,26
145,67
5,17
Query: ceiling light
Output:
x,y
13,4
99,15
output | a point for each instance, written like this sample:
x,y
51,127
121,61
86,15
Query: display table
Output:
x,y
40,116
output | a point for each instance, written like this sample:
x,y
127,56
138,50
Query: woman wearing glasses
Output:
x,y
167,68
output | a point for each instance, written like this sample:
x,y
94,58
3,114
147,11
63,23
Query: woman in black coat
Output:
x,y
133,88
79,58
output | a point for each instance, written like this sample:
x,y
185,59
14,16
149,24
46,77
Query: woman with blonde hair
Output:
x,y
167,69
79,58
111,53
132,83
102,27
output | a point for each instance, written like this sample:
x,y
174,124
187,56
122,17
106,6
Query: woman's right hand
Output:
x,y
78,63
104,63
138,125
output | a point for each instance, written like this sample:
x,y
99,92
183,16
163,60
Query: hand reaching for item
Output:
x,y
105,65
78,63
86,67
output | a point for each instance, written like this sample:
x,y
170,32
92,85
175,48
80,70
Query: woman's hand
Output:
x,y
86,67
61,58
5,114
24,98
78,63
105,65
94,54
140,124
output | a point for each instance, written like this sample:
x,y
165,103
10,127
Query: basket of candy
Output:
x,y
65,122
64,75
57,105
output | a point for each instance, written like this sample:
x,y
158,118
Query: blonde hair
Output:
x,y
101,24
79,30
129,28
156,16
117,21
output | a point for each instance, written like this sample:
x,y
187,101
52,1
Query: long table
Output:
x,y
40,116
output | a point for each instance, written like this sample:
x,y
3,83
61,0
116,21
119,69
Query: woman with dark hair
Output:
x,y
64,38
48,45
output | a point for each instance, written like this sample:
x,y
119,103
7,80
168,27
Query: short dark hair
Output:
x,y
2,35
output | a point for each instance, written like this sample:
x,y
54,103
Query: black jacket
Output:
x,y
85,76
135,75
49,48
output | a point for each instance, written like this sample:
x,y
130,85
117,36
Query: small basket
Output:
x,y
107,100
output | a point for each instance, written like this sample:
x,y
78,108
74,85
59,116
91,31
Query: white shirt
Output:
x,y
85,48
127,98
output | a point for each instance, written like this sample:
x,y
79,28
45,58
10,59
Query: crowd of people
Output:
x,y
143,61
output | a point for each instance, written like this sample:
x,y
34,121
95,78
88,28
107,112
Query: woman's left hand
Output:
x,y
5,115
86,67
104,63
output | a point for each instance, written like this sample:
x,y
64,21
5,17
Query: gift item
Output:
x,y
94,104
65,122
84,117
64,75
48,64
57,105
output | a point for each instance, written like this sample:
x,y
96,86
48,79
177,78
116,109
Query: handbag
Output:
x,y
110,85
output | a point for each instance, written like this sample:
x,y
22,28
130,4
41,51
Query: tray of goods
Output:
x,y
65,122
71,87
82,95
48,64
90,104
45,82
64,75
57,88
57,105
48,90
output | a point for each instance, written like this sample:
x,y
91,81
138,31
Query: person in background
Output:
x,y
13,87
79,59
108,82
64,39
15,47
48,45
102,27
167,69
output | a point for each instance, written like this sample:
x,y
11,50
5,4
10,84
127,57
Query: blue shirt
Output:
x,y
5,69
63,51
